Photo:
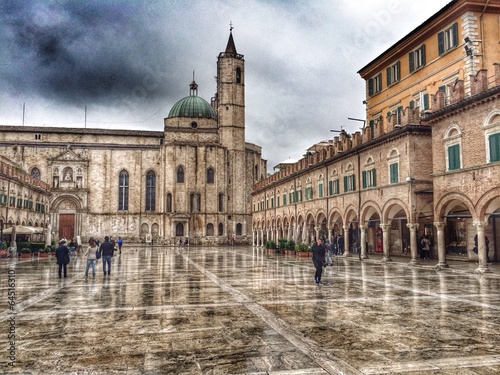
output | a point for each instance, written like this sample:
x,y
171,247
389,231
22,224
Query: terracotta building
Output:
x,y
193,178
408,172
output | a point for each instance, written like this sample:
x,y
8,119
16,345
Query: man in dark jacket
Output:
x,y
107,250
62,256
318,257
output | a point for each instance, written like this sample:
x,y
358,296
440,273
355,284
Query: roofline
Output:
x,y
88,131
414,31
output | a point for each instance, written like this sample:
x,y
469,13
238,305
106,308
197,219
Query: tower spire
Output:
x,y
231,48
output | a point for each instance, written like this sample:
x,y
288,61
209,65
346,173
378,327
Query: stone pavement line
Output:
x,y
425,292
326,360
424,365
21,306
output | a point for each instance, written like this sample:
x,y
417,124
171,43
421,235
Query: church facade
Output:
x,y
193,179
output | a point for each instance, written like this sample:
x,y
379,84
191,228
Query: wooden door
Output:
x,y
67,226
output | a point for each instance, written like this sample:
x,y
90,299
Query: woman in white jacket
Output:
x,y
91,257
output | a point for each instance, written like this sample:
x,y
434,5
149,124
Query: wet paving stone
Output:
x,y
241,310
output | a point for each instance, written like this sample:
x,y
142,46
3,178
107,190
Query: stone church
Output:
x,y
193,179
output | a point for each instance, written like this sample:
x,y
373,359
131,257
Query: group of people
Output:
x,y
106,251
181,243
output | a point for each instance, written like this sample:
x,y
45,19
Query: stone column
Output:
x,y
386,243
316,232
441,246
364,252
277,234
413,243
347,253
481,248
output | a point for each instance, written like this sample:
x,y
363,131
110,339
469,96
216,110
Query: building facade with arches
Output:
x,y
24,198
426,163
193,179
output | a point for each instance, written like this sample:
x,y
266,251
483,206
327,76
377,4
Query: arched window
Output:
x,y
238,75
180,175
453,147
221,229
35,172
239,228
123,191
150,191
210,229
210,176
169,202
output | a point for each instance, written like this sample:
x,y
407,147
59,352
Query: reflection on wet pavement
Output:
x,y
241,310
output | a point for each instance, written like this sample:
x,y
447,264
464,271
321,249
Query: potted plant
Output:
x,y
303,250
45,252
25,252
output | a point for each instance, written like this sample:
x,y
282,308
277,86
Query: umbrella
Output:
x,y
21,229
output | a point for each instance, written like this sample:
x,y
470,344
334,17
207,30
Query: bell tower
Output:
x,y
231,97
230,106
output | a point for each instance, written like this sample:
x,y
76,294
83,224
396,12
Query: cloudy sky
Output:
x,y
129,61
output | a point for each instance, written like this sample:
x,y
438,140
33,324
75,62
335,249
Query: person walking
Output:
x,y
426,247
328,248
107,250
91,257
319,251
62,257
119,241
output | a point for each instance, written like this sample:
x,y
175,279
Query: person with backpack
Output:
x,y
107,250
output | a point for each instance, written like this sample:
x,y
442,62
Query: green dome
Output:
x,y
192,106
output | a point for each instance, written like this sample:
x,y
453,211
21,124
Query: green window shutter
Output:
x,y
370,87
284,199
426,101
412,62
453,157
422,49
364,179
320,192
337,183
330,187
412,104
353,183
442,88
455,34
372,129
441,42
399,112
394,173
374,177
494,141
388,72
345,184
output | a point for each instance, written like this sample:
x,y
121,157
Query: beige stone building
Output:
x,y
426,163
24,199
193,179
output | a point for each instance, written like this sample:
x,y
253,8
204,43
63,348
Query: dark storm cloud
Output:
x,y
84,52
